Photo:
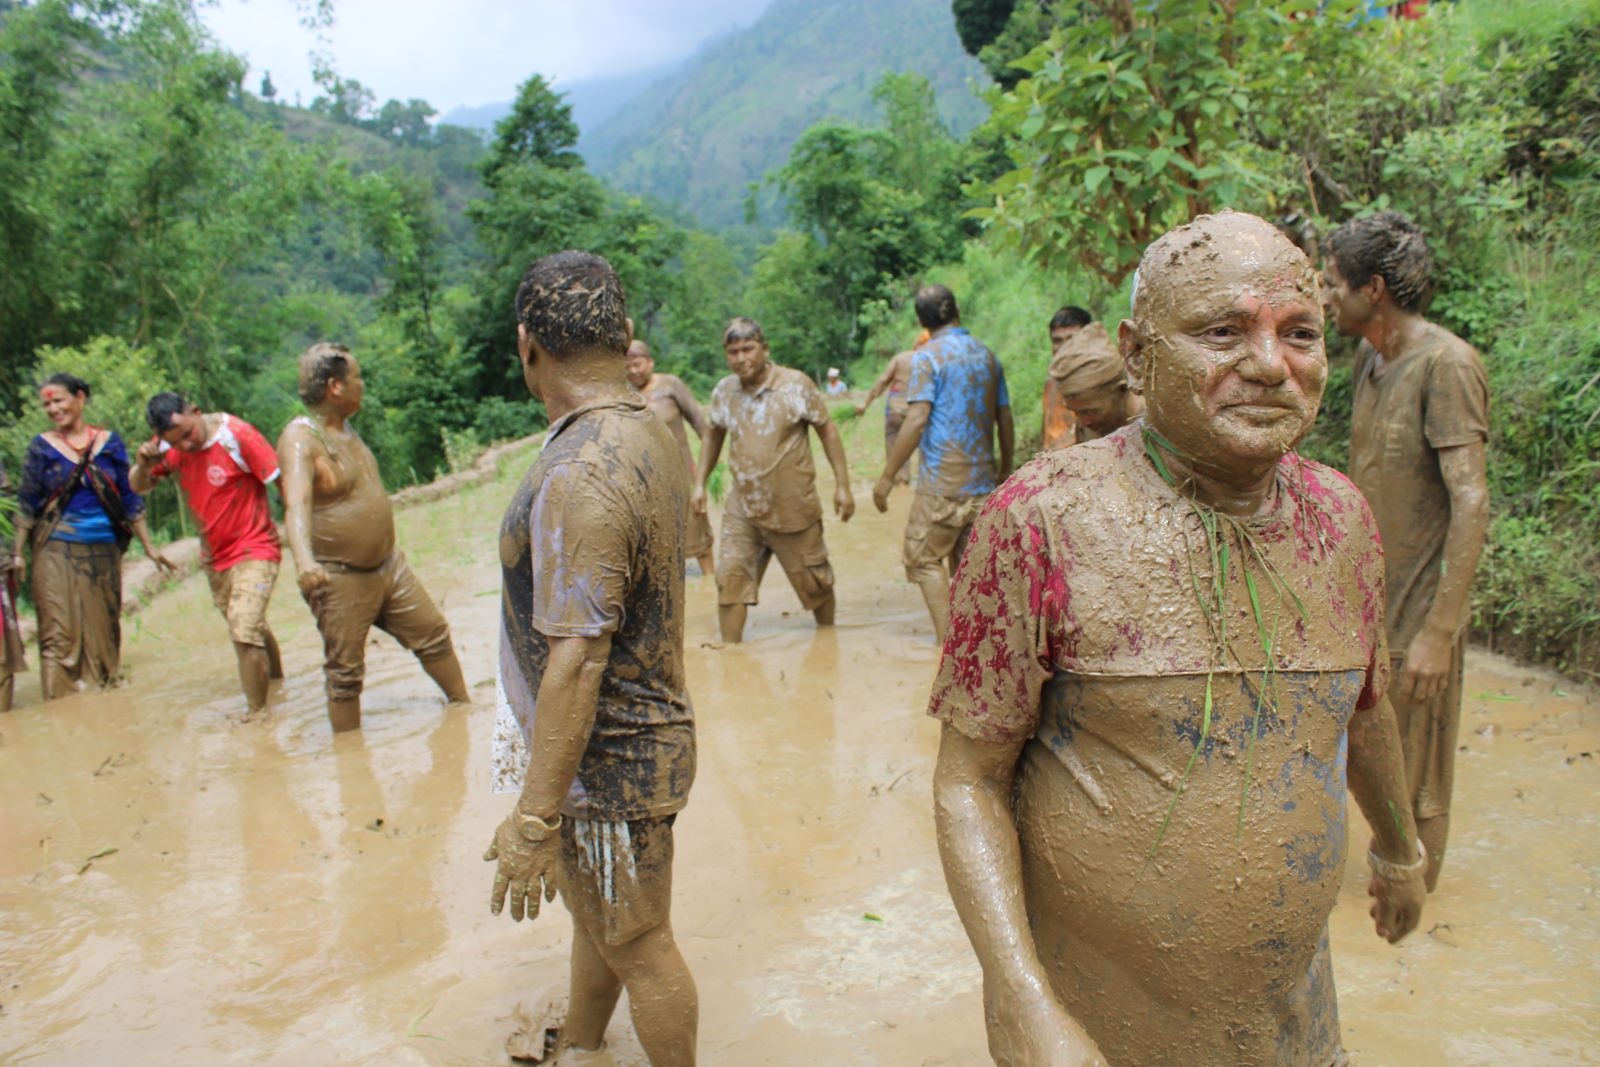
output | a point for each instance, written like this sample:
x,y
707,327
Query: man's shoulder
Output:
x,y
1078,481
1446,350
791,378
298,428
1329,490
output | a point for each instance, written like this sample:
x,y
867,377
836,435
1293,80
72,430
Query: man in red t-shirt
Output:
x,y
224,466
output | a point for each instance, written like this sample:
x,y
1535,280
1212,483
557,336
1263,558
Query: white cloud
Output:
x,y
467,52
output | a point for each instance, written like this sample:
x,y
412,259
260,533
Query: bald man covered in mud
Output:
x,y
1166,661
1417,450
341,531
601,739
1092,383
674,404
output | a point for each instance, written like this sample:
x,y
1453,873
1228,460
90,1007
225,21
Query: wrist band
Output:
x,y
1393,872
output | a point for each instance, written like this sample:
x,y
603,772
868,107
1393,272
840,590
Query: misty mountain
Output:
x,y
593,100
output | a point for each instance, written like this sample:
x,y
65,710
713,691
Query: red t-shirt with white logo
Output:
x,y
226,485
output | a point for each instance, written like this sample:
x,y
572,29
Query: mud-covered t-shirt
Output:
x,y
1406,413
674,404
772,480
592,544
967,388
1076,627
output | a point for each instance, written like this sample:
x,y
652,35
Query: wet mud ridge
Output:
x,y
179,888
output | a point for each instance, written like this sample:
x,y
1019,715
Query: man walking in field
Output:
x,y
1417,450
894,379
675,405
224,466
956,406
341,531
765,412
601,744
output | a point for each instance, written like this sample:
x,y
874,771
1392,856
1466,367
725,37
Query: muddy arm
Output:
x,y
568,695
710,452
983,868
1429,655
844,502
298,465
1007,429
1378,782
910,436
878,387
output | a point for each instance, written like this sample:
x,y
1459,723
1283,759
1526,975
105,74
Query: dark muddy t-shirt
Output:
x,y
592,544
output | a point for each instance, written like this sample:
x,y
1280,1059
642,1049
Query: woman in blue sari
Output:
x,y
77,514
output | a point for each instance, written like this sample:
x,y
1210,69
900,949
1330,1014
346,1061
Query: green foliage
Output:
x,y
538,131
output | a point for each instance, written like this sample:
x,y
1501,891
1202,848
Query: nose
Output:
x,y
1265,362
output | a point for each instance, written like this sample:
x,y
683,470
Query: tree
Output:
x,y
979,22
268,91
540,129
405,123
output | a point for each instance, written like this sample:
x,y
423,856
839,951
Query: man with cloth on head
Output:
x,y
224,466
765,412
1166,663
1093,384
675,405
956,405
1056,423
341,531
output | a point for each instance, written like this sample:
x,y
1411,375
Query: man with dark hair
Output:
x,y
772,509
341,530
595,727
894,379
674,404
1092,384
224,466
1056,429
956,405
1166,654
1417,450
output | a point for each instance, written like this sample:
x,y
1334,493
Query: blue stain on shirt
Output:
x,y
966,387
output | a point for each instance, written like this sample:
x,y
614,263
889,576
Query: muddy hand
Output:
x,y
1427,664
163,563
523,869
880,493
844,503
697,500
1396,904
313,582
1039,1034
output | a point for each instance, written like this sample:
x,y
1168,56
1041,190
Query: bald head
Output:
x,y
1215,255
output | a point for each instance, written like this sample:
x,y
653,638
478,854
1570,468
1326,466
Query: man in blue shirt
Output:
x,y
955,403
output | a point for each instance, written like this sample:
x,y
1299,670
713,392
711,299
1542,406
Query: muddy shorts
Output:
x,y
748,548
242,593
936,534
616,877
1428,733
697,535
388,597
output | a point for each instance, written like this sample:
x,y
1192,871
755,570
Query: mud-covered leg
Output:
x,y
662,1000
274,658
1435,834
731,619
594,993
446,673
936,594
254,668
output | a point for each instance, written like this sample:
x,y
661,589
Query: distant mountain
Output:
x,y
731,112
593,100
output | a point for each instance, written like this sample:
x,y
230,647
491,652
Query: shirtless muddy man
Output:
x,y
341,531
672,402
1166,662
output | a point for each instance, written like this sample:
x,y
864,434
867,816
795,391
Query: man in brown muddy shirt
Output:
x,y
1089,377
591,665
1165,664
341,531
674,404
1417,442
772,509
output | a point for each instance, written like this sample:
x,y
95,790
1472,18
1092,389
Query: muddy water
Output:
x,y
281,896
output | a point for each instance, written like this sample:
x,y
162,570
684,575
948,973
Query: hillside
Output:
x,y
730,115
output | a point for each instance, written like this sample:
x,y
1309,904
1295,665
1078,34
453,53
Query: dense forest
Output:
x,y
165,224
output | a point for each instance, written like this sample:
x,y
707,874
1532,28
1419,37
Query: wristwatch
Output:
x,y
535,829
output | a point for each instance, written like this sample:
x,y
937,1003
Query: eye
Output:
x,y
1222,332
1303,335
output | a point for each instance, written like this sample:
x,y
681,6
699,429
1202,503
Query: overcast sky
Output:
x,y
455,53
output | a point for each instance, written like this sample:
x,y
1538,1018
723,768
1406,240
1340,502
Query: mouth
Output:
x,y
1257,411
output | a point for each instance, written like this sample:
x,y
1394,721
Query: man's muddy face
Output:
x,y
1346,307
640,368
1060,335
1236,367
349,391
1101,409
747,359
63,407
187,432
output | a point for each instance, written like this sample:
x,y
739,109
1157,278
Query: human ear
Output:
x,y
1131,343
524,346
629,341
